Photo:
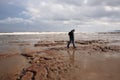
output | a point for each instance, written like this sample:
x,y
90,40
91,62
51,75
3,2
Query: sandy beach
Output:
x,y
46,57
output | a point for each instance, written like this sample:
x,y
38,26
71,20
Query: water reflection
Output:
x,y
97,66
71,55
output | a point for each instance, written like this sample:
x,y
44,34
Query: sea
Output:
x,y
14,42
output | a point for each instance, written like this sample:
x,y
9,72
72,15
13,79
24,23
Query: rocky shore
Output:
x,y
51,60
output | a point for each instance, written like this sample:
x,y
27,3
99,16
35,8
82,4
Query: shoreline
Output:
x,y
49,59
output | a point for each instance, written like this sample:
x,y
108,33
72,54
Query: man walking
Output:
x,y
71,37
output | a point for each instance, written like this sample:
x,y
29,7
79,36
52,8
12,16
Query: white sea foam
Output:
x,y
28,33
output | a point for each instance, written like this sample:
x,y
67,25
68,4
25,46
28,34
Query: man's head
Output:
x,y
73,30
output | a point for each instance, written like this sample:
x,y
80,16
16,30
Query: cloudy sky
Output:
x,y
59,15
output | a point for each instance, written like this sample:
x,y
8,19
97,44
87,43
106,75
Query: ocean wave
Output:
x,y
28,33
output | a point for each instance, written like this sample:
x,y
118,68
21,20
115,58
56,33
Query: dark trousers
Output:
x,y
71,41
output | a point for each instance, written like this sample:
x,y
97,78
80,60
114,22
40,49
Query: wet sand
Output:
x,y
93,59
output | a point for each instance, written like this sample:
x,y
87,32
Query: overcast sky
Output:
x,y
59,15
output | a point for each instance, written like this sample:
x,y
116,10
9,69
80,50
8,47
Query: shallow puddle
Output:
x,y
12,65
93,66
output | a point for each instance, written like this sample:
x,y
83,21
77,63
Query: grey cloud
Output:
x,y
99,12
89,2
72,13
10,20
71,2
58,14
104,2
